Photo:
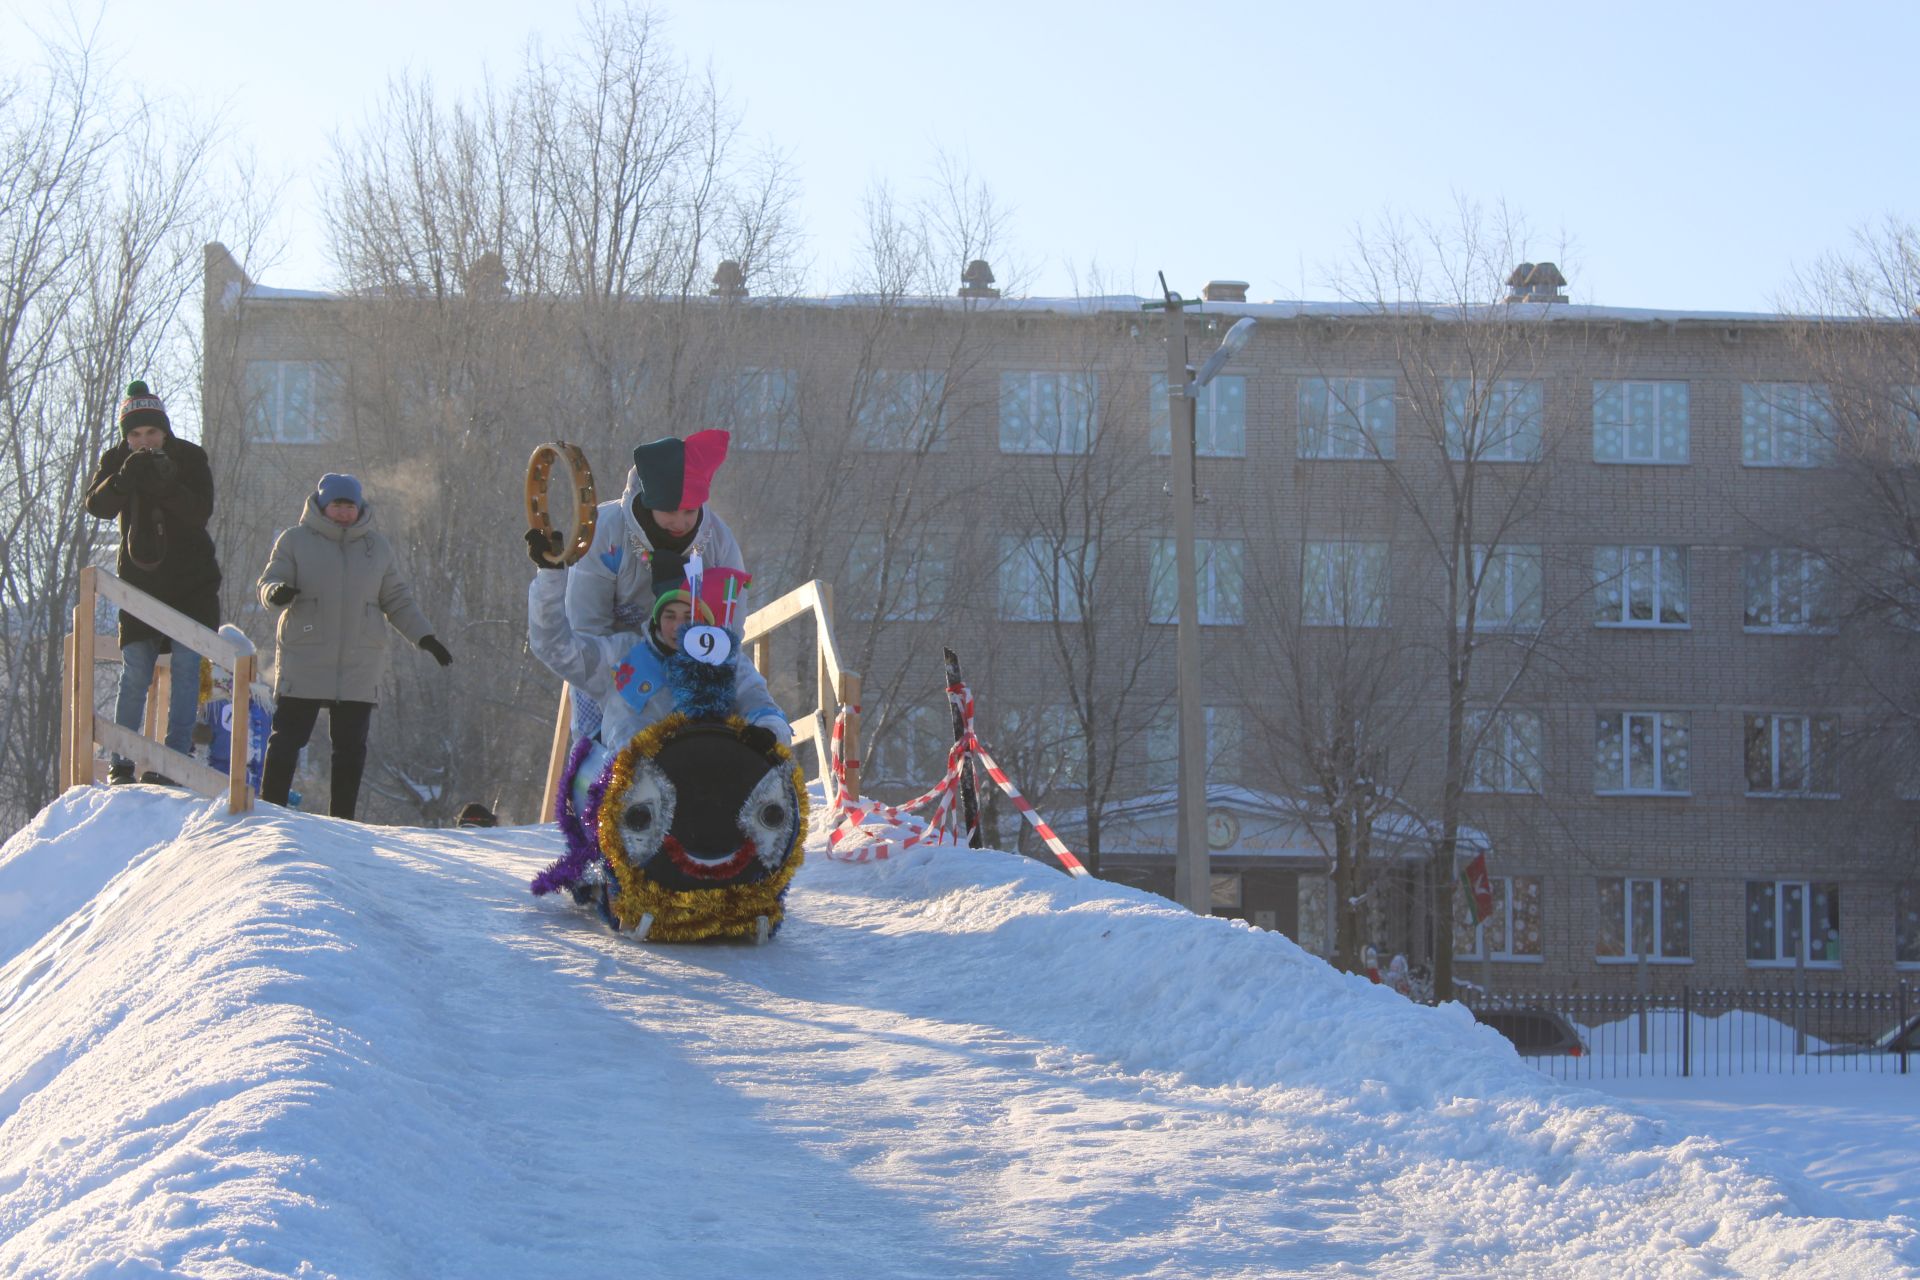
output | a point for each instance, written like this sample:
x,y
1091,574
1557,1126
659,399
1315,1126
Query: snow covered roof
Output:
x,y
1395,828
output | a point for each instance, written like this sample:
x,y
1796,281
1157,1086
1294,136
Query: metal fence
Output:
x,y
1707,1032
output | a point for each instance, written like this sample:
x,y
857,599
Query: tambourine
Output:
x,y
579,481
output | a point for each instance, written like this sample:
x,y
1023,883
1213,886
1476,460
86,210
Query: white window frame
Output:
x,y
324,381
1816,581
1064,391
1520,609
1357,440
902,411
1220,575
1656,560
1226,733
920,568
1340,579
1207,418
1658,388
1662,766
1802,731
1806,887
1503,907
1906,923
1500,436
1785,424
914,750
1656,887
1047,573
1503,761
760,407
1054,740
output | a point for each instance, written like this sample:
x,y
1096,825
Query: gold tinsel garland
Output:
x,y
688,915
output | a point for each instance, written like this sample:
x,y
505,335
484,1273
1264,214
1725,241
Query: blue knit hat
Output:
x,y
337,486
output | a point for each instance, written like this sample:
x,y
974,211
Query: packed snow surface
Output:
x,y
283,1045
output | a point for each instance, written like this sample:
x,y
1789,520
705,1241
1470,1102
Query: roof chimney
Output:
x,y
1536,282
1225,291
728,280
977,280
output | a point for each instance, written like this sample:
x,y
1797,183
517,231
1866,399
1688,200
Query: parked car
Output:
x,y
1535,1031
1901,1037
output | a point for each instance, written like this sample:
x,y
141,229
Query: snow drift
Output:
x,y
283,1045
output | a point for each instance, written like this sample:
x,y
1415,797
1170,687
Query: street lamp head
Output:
x,y
1230,346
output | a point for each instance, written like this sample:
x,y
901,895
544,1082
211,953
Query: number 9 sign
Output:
x,y
708,644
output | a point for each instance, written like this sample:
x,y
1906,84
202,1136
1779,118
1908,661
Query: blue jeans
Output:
x,y
136,677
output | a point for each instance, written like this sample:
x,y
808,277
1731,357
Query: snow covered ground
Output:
x,y
293,1047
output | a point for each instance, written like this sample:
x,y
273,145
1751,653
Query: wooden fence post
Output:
x,y
850,742
240,735
83,611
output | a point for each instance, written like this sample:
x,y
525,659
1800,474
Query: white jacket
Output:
x,y
588,663
611,589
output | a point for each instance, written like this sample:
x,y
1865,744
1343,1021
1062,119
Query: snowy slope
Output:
x,y
288,1046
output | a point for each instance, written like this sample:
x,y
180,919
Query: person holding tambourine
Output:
x,y
661,516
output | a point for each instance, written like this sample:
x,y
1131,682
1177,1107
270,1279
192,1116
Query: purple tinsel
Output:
x,y
582,846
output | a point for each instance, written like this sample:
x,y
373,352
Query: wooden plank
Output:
x,y
850,736
146,754
239,740
82,707
557,756
69,686
225,650
792,605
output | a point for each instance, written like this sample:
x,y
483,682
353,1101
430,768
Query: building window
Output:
x,y
1787,590
1785,424
1780,913
1508,747
1050,744
1640,422
1499,422
1640,753
912,751
902,579
1041,579
1512,932
1906,923
1346,417
1343,584
1220,420
1226,739
1048,412
1791,755
1645,918
294,401
1640,587
902,411
760,407
1220,577
1509,590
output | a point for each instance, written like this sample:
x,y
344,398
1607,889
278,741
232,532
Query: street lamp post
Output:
x,y
1192,872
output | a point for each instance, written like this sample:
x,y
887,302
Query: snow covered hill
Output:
x,y
288,1046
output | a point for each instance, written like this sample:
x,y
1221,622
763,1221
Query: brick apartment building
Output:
x,y
1675,781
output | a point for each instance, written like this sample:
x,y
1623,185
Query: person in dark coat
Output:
x,y
160,488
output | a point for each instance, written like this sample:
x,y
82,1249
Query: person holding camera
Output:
x,y
338,586
160,488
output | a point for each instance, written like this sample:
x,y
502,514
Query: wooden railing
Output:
x,y
83,727
837,688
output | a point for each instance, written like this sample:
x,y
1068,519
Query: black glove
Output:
x,y
282,594
759,737
438,650
133,471
157,474
544,549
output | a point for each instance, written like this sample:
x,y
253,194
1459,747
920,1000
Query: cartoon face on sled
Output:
x,y
696,829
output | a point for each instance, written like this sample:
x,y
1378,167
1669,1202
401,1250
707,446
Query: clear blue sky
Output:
x,y
1693,154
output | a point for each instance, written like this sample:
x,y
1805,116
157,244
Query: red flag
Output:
x,y
1478,887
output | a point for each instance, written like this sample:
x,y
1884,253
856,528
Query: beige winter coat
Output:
x,y
332,638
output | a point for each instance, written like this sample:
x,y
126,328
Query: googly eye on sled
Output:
x,y
696,831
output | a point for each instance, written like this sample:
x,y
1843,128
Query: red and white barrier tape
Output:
x,y
858,829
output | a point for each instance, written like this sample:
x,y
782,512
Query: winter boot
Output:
x,y
155,779
120,773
